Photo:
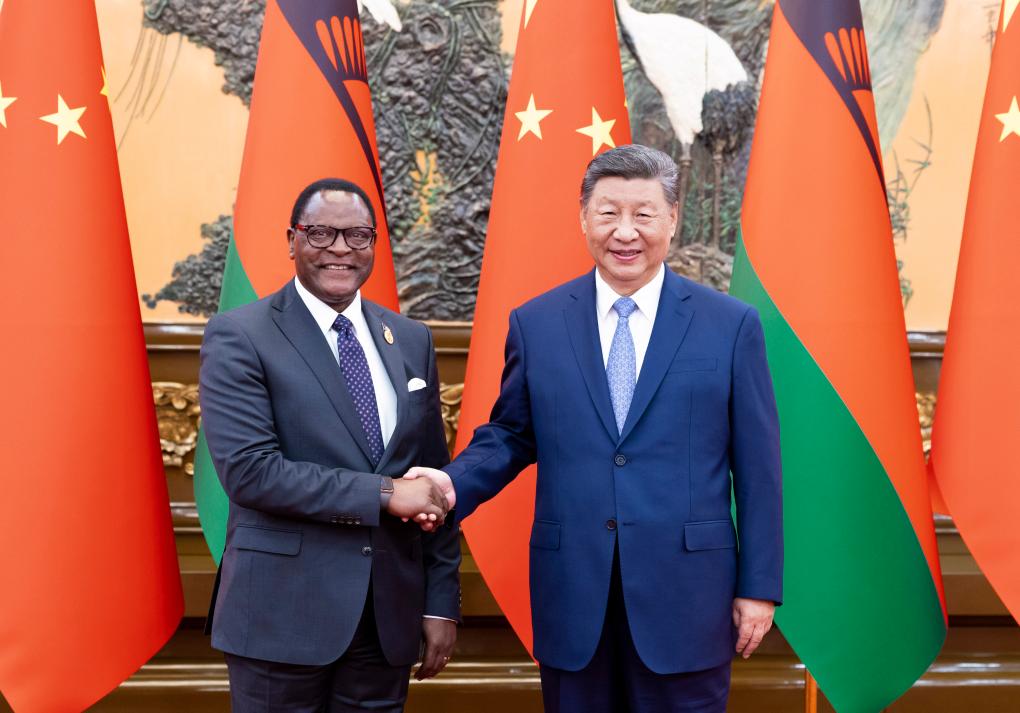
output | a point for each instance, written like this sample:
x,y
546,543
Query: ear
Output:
x,y
674,214
291,236
584,223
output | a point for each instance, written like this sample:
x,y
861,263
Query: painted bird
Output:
x,y
683,60
383,12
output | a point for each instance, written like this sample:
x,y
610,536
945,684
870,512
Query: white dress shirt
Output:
x,y
641,320
324,315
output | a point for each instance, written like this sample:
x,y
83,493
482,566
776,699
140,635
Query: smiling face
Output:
x,y
628,224
336,273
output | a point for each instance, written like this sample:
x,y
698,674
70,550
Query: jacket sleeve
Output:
x,y
756,466
237,417
441,548
503,447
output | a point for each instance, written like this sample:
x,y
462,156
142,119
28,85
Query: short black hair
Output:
x,y
328,184
632,161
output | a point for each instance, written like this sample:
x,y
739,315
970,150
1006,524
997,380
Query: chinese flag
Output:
x,y
91,587
565,105
311,118
973,451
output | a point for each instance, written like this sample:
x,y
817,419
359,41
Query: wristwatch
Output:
x,y
385,491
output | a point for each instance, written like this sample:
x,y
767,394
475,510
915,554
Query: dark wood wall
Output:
x,y
978,670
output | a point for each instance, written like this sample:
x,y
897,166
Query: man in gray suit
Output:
x,y
314,401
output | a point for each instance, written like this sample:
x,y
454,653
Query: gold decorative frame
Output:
x,y
178,415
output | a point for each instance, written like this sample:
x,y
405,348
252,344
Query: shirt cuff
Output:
x,y
443,618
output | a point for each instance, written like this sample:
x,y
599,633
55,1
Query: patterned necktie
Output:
x,y
621,367
354,365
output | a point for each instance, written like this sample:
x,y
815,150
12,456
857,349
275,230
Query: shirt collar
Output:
x,y
324,315
646,298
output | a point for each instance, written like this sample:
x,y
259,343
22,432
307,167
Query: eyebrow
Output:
x,y
614,202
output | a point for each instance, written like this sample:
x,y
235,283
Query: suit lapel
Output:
x,y
584,338
393,359
298,325
671,322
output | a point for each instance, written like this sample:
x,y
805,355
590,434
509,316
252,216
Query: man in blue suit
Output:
x,y
314,400
638,393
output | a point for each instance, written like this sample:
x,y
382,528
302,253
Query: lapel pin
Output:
x,y
387,334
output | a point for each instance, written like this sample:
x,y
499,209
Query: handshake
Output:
x,y
424,495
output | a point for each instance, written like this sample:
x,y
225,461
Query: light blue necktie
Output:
x,y
621,367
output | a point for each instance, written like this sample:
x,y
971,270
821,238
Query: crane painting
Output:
x,y
693,71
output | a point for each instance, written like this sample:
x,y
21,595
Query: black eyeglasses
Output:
x,y
323,236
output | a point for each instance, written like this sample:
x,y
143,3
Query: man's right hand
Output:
x,y
438,477
418,498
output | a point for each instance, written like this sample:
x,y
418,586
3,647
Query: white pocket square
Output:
x,y
415,384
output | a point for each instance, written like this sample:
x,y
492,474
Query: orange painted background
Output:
x,y
951,78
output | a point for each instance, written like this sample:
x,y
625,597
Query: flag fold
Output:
x,y
92,588
972,453
864,607
565,104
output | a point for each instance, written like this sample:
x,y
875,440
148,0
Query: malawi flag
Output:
x,y
565,105
91,588
973,454
864,607
311,118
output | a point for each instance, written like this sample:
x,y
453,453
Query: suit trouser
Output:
x,y
617,681
361,679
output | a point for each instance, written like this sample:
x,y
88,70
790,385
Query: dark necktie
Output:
x,y
354,365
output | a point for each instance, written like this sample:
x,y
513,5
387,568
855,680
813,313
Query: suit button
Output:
x,y
610,524
620,459
367,551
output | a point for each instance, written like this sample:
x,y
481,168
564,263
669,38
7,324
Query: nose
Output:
x,y
625,229
339,246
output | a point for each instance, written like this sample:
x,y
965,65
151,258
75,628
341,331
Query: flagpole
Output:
x,y
810,692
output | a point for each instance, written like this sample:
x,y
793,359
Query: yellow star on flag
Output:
x,y
529,7
105,91
1007,12
531,118
1010,120
601,132
65,119
4,103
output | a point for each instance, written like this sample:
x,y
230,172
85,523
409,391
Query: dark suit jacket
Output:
x,y
305,533
703,407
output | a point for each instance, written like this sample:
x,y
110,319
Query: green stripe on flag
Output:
x,y
860,606
237,289
210,499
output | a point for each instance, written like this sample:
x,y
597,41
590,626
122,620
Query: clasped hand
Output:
x,y
424,495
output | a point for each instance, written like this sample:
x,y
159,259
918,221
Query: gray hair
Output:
x,y
632,161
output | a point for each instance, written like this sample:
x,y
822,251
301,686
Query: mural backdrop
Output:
x,y
182,72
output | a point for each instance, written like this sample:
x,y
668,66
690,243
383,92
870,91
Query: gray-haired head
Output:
x,y
632,161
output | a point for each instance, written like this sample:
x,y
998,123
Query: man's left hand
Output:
x,y
753,619
440,636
